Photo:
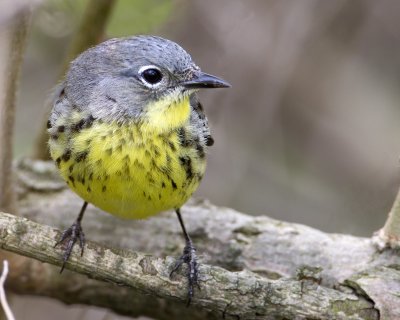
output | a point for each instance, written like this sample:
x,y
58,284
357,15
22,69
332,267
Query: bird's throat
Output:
x,y
169,113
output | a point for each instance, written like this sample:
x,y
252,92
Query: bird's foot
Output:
x,y
189,257
72,234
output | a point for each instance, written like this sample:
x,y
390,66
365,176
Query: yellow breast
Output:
x,y
132,170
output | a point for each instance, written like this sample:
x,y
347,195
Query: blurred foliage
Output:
x,y
138,16
59,18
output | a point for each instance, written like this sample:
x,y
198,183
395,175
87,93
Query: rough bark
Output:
x,y
251,267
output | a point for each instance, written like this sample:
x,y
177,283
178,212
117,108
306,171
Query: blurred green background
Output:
x,y
309,131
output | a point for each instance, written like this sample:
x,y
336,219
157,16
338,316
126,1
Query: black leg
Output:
x,y
189,257
72,234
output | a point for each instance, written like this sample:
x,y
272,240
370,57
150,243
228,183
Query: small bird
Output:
x,y
129,135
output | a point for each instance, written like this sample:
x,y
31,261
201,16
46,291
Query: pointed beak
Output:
x,y
203,80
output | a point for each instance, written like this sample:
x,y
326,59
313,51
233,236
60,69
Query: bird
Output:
x,y
129,135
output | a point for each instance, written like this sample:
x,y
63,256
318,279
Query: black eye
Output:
x,y
152,75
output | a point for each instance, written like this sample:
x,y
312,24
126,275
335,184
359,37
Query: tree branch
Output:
x,y
243,294
299,271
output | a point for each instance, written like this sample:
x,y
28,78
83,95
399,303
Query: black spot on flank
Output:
x,y
200,150
171,145
144,194
66,156
164,169
138,164
109,151
48,124
89,121
81,156
199,107
156,151
83,181
165,139
58,160
106,177
89,189
159,196
62,93
71,178
127,159
181,135
209,141
118,173
61,128
104,189
110,98
54,136
186,163
78,126
153,164
163,185
150,178
91,176
173,184
183,140
71,168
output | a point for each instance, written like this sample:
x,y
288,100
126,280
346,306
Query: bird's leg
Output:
x,y
72,234
189,257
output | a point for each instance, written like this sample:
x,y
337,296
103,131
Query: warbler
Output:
x,y
129,135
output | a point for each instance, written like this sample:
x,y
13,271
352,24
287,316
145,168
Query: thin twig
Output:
x,y
389,235
12,47
3,298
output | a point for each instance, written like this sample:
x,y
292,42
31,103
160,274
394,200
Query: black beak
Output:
x,y
203,80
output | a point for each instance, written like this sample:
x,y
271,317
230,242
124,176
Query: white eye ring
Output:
x,y
147,83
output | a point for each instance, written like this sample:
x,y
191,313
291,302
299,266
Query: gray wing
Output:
x,y
61,107
63,116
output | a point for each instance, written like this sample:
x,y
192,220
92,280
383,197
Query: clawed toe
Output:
x,y
189,257
71,235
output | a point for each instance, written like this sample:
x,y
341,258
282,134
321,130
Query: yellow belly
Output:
x,y
127,171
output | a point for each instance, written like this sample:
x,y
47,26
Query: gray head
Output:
x,y
119,78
